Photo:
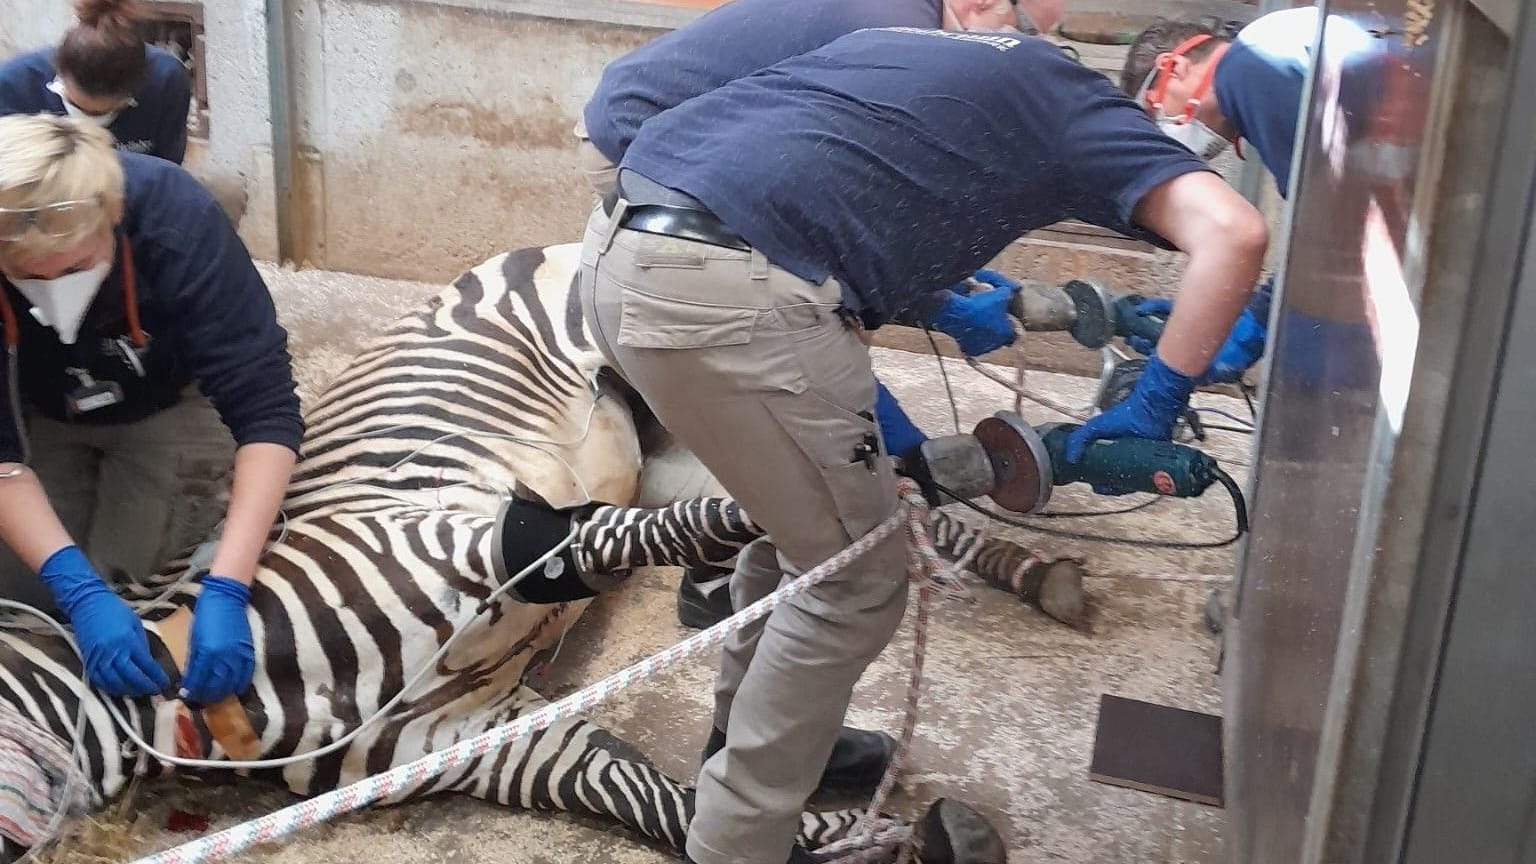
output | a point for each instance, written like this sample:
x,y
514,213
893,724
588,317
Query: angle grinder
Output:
x,y
1017,465
1086,310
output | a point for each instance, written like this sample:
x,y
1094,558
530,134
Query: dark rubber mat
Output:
x,y
1158,749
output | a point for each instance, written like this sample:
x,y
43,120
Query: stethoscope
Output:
x,y
135,336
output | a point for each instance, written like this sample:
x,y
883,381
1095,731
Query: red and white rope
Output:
x,y
875,834
928,571
1017,387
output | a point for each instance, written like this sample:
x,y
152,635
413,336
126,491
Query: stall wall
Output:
x,y
436,133
1342,375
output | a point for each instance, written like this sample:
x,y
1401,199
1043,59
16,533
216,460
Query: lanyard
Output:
x,y
130,304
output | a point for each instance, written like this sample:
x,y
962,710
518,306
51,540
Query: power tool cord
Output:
x,y
1086,514
1239,507
954,409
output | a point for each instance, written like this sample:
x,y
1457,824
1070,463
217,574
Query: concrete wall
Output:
x,y
436,136
436,133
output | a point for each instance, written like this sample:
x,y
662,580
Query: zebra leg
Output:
x,y
1056,586
579,767
610,541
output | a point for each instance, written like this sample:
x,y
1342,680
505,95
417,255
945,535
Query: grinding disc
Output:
x,y
1019,460
1095,323
1121,382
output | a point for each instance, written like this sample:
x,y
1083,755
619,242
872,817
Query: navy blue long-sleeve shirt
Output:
x,y
156,124
207,312
724,44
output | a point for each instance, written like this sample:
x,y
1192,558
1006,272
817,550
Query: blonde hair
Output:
x,y
47,160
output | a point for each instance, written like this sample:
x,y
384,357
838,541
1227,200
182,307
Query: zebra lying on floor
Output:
x,y
392,541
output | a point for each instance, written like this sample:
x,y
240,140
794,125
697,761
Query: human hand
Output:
x,y
222,657
1151,410
979,321
111,637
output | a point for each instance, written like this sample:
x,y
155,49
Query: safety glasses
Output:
x,y
64,219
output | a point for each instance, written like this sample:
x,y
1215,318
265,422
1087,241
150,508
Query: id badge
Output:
x,y
93,396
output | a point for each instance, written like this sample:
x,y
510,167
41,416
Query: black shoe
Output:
x,y
704,598
858,761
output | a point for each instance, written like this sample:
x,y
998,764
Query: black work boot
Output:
x,y
858,761
704,598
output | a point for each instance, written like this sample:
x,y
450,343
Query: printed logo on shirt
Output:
x,y
143,145
998,41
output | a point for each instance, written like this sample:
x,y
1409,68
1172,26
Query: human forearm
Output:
x,y
1212,293
28,524
1225,239
261,479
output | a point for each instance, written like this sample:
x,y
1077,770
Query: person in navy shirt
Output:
x,y
1207,91
145,365
104,73
743,36
760,225
736,40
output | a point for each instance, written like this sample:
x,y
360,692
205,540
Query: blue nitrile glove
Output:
x,y
996,280
1160,307
1244,345
111,637
222,658
1243,348
900,434
978,322
1151,411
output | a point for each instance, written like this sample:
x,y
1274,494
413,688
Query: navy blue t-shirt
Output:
x,y
156,125
1262,78
901,160
207,313
727,43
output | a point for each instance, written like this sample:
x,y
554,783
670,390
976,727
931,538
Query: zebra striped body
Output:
x,y
387,548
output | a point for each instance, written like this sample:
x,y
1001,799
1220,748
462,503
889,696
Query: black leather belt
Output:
x,y
698,225
656,209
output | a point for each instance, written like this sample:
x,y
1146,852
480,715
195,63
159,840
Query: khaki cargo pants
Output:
x,y
132,496
756,372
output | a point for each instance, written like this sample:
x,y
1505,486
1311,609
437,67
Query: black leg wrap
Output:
x,y
525,531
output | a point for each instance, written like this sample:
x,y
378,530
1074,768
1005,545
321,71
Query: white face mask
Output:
x,y
1198,137
62,303
56,87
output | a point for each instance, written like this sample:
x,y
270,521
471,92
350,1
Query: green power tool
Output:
x,y
1017,465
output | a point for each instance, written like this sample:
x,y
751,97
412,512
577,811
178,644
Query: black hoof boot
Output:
x,y
858,761
704,598
954,833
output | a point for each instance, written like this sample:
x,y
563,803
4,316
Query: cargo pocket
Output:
x,y
647,321
197,508
835,365
864,496
829,435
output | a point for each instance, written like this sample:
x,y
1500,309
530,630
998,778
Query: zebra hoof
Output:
x,y
1061,593
952,832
